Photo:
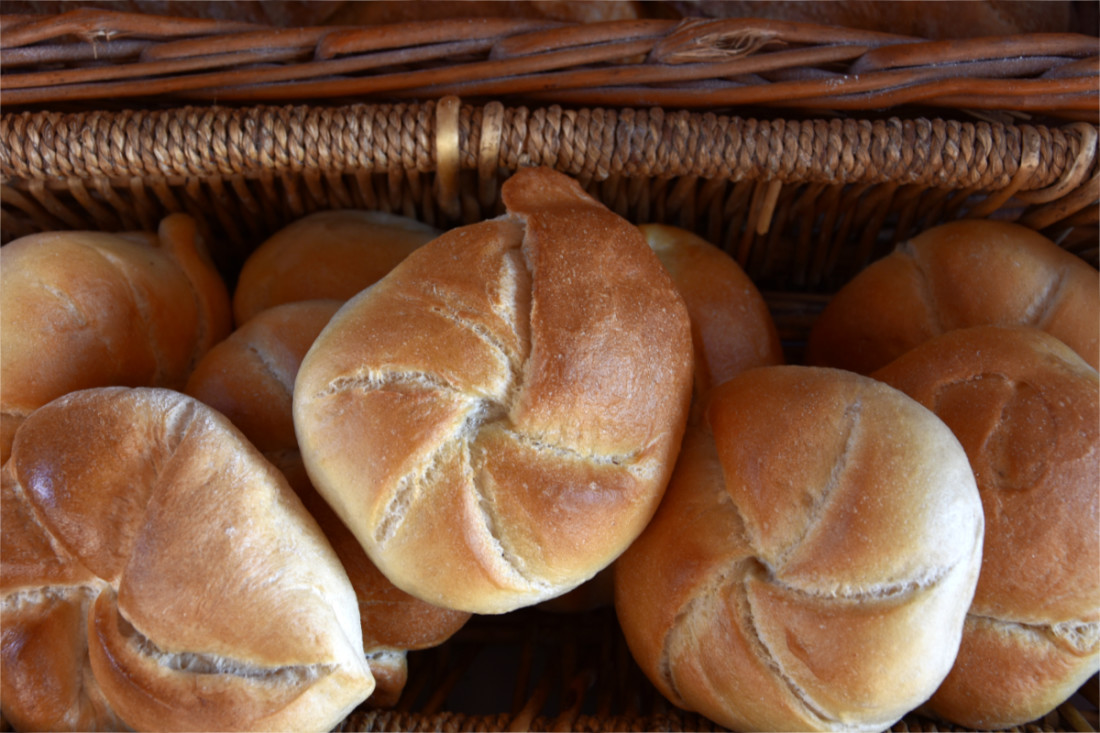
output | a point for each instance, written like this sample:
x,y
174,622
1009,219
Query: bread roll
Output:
x,y
1027,410
326,255
731,330
813,559
249,378
497,418
158,572
731,327
966,273
88,309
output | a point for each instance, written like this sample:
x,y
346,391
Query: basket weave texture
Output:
x,y
689,63
801,204
805,152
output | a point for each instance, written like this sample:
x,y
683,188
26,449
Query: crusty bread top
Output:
x,y
249,378
325,255
91,309
732,329
957,275
608,328
496,418
812,562
215,601
1027,410
824,490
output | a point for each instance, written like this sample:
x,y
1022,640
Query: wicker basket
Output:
x,y
804,151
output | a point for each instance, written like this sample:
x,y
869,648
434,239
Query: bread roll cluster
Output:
x,y
90,309
956,275
997,330
249,378
241,513
836,549
1027,410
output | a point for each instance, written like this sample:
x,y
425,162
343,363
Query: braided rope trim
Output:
x,y
590,144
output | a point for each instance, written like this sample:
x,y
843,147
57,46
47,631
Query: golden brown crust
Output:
x,y
52,687
1027,410
652,585
328,255
606,323
515,388
773,589
957,275
89,309
732,329
1054,672
179,237
208,597
249,378
392,621
390,669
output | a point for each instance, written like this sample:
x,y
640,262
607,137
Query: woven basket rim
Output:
x,y
85,56
841,178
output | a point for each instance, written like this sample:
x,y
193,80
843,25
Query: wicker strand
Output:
x,y
590,144
380,720
692,64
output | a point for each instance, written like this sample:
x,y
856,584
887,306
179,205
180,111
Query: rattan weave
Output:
x,y
801,204
690,63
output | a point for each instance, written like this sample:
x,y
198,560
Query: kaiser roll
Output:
x,y
88,309
249,378
325,255
496,419
1027,410
731,331
956,275
731,327
158,573
813,559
